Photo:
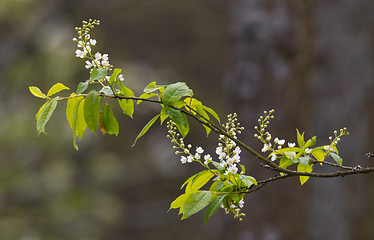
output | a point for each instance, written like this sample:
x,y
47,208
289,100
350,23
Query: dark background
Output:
x,y
312,61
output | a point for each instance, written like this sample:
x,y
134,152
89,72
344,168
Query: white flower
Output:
x,y
307,150
232,169
222,156
183,159
237,151
219,150
98,56
105,57
328,148
120,77
199,150
80,44
291,145
241,203
268,138
81,54
266,147
89,64
207,159
273,157
276,140
236,158
281,142
290,155
93,42
230,161
197,156
223,163
189,159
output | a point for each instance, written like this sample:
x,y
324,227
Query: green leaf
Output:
x,y
218,166
304,160
174,92
300,139
114,75
199,181
56,88
152,87
92,110
127,106
177,116
109,121
310,142
163,115
146,96
40,111
211,112
179,202
214,206
106,90
337,158
70,108
284,162
79,123
82,86
46,114
201,111
125,91
196,202
146,128
248,180
97,74
319,154
301,168
36,92
183,130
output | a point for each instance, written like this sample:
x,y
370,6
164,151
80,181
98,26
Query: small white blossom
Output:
x,y
93,42
291,145
189,159
232,169
266,147
241,203
121,78
80,44
290,155
207,159
89,64
307,150
230,161
199,150
197,156
80,53
183,159
236,158
273,157
237,151
281,142
219,150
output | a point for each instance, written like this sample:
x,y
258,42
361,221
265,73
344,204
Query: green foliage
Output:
x,y
92,110
108,120
45,114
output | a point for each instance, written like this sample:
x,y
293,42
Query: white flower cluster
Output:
x,y
85,43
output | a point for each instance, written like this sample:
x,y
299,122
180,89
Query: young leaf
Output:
x,y
214,206
310,142
146,96
301,168
163,115
114,76
40,111
284,163
79,123
36,92
319,155
179,202
110,123
300,139
46,114
97,74
82,86
336,157
201,111
248,180
174,92
92,110
106,90
125,91
304,160
152,87
212,112
199,181
56,88
146,128
196,202
127,106
70,109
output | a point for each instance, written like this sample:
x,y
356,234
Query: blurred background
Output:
x,y
312,61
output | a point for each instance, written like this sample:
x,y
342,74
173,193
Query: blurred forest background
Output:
x,y
312,61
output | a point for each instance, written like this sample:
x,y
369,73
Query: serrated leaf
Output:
x,y
127,106
199,181
82,86
146,128
56,88
214,206
108,120
196,202
300,139
301,168
97,74
37,92
46,114
114,75
92,110
336,157
174,92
